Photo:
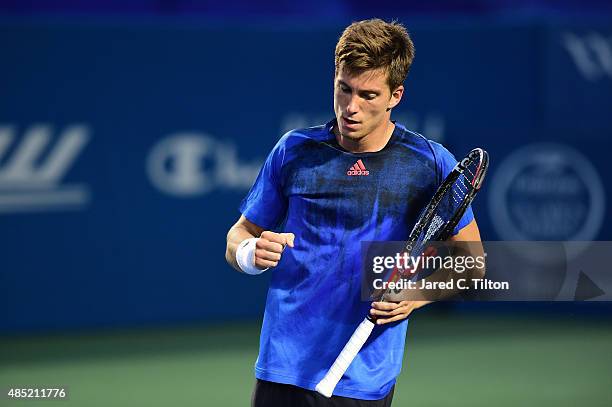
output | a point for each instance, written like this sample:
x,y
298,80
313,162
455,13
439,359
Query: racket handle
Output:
x,y
327,385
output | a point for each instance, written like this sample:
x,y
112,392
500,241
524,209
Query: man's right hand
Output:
x,y
269,248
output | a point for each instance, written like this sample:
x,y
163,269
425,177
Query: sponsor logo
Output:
x,y
591,53
32,168
358,169
192,164
546,192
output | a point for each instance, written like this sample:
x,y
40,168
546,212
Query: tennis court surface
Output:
x,y
450,360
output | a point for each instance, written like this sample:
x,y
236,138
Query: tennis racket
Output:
x,y
436,222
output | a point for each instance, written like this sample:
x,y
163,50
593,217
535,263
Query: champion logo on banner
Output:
x,y
187,177
33,167
358,169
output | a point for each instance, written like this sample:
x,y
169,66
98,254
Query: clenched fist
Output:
x,y
269,248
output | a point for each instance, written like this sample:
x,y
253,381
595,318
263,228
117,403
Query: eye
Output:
x,y
369,96
344,88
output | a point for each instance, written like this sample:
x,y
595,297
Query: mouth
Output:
x,y
349,123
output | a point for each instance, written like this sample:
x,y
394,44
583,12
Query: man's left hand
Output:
x,y
386,312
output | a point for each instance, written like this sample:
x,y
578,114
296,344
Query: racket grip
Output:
x,y
327,385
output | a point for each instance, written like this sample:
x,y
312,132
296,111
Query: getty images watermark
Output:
x,y
487,271
407,267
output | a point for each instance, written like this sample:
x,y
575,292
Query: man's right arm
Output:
x,y
268,248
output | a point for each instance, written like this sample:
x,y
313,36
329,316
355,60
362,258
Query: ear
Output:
x,y
396,96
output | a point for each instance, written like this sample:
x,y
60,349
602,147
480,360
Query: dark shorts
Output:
x,y
269,394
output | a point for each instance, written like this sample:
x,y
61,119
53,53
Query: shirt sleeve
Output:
x,y
445,162
265,205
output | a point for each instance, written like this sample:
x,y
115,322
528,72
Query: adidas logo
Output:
x,y
358,169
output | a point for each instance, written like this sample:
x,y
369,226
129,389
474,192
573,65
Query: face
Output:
x,y
362,102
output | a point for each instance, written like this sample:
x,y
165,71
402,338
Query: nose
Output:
x,y
352,107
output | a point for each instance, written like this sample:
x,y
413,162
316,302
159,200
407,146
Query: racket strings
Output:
x,y
450,202
458,194
436,223
460,190
461,185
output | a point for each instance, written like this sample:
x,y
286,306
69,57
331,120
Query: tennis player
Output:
x,y
321,191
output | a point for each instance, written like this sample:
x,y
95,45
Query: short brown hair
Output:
x,y
375,44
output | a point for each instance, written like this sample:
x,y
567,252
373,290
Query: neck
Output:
x,y
370,143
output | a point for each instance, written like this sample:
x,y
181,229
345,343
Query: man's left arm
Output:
x,y
387,312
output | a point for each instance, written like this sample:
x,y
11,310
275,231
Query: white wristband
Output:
x,y
245,256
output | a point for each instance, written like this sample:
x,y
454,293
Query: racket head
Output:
x,y
450,200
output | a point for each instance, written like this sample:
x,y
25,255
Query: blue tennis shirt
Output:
x,y
332,199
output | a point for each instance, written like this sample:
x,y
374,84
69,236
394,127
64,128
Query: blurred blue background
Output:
x,y
130,132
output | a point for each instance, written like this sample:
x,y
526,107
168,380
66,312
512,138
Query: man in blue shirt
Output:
x,y
321,191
